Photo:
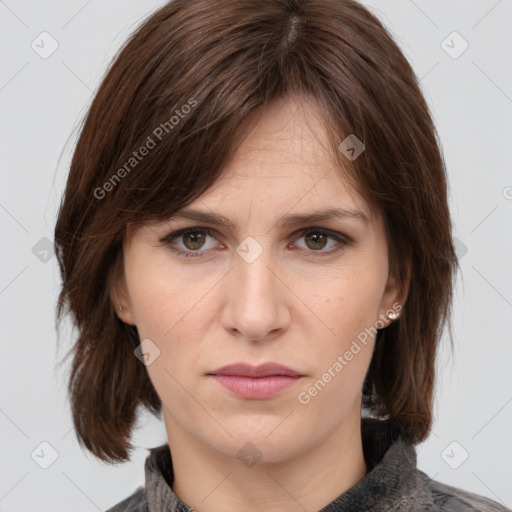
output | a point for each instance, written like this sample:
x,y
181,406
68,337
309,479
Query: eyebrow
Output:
x,y
286,221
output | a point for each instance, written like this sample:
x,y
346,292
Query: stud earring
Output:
x,y
121,308
392,315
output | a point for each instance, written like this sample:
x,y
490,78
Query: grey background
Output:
x,y
42,101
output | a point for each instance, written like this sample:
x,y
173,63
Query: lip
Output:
x,y
256,382
263,370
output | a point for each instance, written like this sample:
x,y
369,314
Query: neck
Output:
x,y
208,480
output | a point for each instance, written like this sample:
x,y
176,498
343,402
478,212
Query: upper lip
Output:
x,y
263,370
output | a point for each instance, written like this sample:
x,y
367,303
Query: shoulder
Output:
x,y
445,498
136,502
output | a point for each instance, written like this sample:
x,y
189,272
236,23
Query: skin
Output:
x,y
290,305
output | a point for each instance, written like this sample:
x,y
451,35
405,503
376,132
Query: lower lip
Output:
x,y
256,388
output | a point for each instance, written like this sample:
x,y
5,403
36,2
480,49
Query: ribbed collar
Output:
x,y
390,460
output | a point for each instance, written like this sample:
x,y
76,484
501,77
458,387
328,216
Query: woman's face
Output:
x,y
304,295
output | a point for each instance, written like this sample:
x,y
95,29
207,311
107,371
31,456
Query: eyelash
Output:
x,y
343,241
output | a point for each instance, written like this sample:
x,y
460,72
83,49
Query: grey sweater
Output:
x,y
392,483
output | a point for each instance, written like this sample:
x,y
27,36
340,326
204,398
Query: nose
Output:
x,y
256,306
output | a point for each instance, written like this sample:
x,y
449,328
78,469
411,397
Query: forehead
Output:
x,y
289,132
283,174
285,161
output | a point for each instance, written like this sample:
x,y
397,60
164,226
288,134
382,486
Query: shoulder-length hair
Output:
x,y
164,123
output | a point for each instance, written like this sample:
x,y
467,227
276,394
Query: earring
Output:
x,y
392,315
121,308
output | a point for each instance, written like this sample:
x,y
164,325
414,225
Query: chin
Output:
x,y
260,442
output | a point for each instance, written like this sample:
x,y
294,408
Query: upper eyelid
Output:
x,y
213,231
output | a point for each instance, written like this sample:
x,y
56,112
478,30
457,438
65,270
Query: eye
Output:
x,y
317,239
193,241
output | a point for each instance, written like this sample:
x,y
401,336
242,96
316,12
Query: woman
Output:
x,y
255,242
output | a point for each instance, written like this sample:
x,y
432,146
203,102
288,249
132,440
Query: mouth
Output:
x,y
256,382
263,370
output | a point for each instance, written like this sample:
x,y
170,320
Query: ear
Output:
x,y
395,295
120,298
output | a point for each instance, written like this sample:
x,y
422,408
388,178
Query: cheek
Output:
x,y
341,357
170,310
160,296
350,303
349,307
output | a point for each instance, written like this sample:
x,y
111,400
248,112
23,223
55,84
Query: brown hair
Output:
x,y
181,87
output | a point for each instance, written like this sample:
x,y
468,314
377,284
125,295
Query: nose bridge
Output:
x,y
254,257
255,300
